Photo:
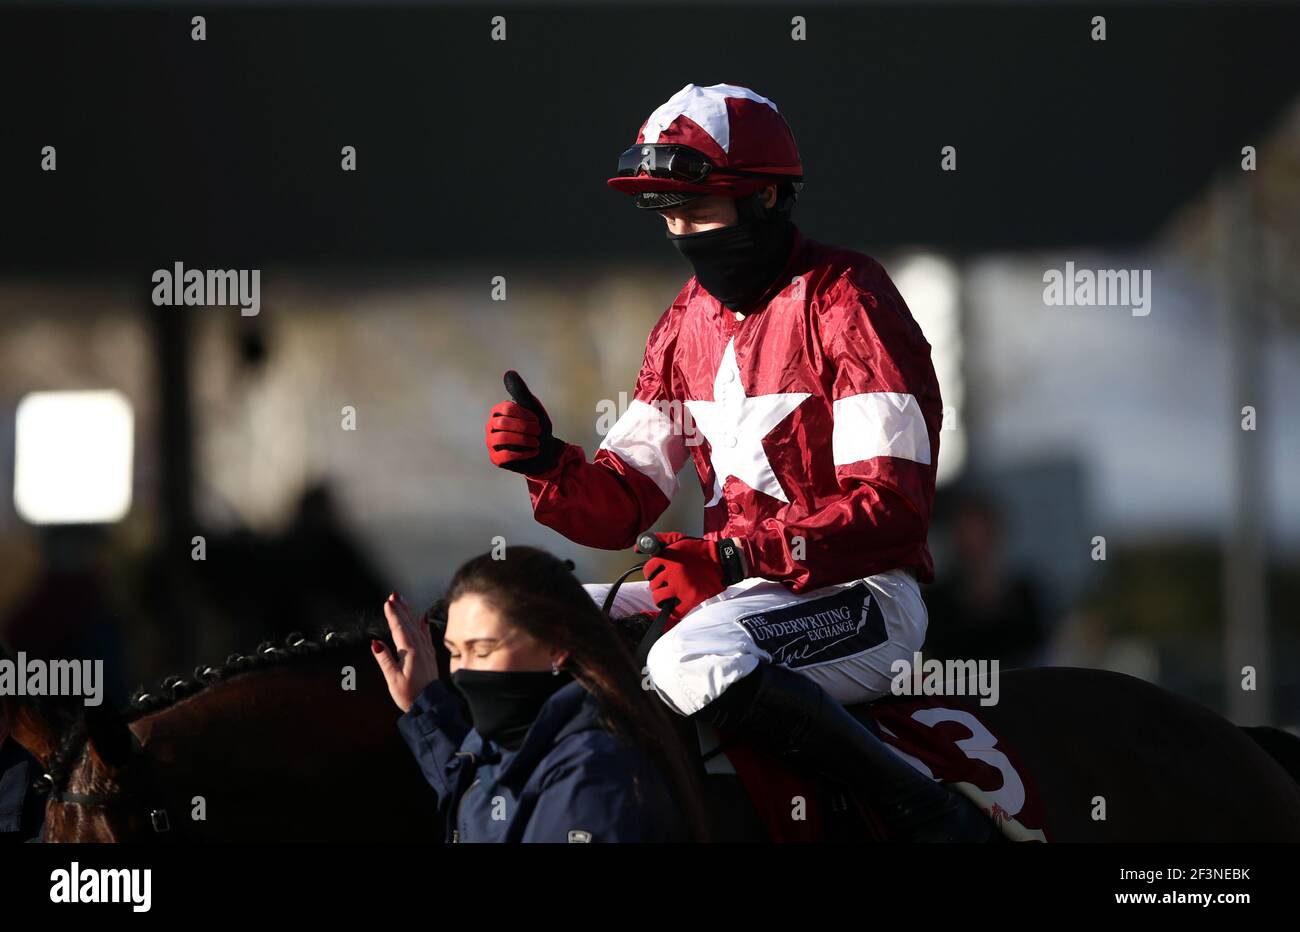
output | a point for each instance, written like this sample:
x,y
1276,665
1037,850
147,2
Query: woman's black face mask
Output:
x,y
504,704
737,264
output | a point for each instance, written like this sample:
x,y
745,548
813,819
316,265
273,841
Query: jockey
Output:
x,y
795,378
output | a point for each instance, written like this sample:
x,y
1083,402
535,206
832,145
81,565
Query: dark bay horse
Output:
x,y
273,747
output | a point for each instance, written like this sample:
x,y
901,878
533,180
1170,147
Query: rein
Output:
x,y
647,545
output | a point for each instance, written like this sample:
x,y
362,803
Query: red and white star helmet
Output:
x,y
723,139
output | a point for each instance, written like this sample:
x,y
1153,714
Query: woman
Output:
x,y
562,744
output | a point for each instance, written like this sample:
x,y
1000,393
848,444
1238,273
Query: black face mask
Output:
x,y
504,705
737,264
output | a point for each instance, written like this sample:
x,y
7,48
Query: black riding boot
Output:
x,y
790,715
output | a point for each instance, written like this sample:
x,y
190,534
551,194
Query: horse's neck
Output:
x,y
275,746
336,694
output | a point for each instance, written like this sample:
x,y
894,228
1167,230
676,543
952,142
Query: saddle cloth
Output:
x,y
943,737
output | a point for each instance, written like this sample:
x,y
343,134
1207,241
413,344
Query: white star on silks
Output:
x,y
735,424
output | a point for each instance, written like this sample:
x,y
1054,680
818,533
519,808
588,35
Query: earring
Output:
x,y
555,668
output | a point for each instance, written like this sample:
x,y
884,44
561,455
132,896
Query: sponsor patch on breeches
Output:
x,y
832,627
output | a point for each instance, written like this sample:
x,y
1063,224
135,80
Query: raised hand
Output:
x,y
416,663
518,432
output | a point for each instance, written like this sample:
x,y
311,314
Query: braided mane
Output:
x,y
268,655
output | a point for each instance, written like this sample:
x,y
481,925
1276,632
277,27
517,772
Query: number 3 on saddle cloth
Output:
x,y
942,737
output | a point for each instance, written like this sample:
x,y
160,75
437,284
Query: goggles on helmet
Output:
x,y
670,160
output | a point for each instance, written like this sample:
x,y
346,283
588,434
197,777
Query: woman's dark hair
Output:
x,y
538,593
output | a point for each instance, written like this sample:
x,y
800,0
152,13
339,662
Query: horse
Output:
x,y
298,742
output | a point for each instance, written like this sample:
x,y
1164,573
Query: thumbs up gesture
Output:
x,y
518,433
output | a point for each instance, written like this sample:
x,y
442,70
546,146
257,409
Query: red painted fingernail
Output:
x,y
392,596
377,647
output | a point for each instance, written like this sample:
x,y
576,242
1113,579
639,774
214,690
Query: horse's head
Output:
x,y
96,778
89,758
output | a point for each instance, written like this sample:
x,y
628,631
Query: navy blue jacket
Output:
x,y
21,809
571,780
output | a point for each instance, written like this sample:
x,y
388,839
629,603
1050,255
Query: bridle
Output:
x,y
158,817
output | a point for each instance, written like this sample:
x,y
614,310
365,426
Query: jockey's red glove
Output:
x,y
518,432
691,570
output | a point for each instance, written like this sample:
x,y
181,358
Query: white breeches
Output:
x,y
844,637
